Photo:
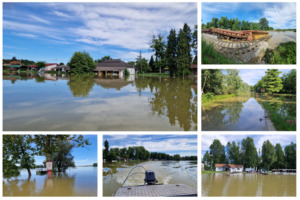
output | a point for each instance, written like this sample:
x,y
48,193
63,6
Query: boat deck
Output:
x,y
171,190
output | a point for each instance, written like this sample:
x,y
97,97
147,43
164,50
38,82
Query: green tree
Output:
x,y
214,22
40,64
47,145
268,155
271,81
103,59
171,52
17,150
81,63
63,159
290,156
184,58
233,81
61,63
106,150
158,46
249,153
263,24
207,161
195,44
217,153
14,59
279,162
211,80
151,64
289,82
233,152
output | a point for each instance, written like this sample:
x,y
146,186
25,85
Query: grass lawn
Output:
x,y
278,120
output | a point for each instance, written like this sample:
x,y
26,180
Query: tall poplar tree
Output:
x,y
171,52
268,155
184,50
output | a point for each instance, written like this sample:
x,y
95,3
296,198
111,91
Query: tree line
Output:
x,y
216,82
19,151
236,24
245,153
273,83
138,153
173,52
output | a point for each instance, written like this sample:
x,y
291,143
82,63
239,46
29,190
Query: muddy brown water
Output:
x,y
244,113
248,185
68,103
278,37
166,172
81,181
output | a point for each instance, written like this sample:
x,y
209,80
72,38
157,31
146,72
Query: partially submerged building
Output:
x,y
228,168
115,67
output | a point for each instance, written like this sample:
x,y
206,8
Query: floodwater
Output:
x,y
245,113
63,103
248,185
80,181
280,37
166,172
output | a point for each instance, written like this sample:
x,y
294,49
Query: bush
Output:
x,y
207,97
285,53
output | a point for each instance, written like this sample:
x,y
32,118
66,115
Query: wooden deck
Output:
x,y
171,190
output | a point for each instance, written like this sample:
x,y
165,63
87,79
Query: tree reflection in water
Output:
x,y
172,98
81,85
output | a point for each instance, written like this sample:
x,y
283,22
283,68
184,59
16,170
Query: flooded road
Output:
x,y
248,185
244,113
280,37
166,172
63,103
81,181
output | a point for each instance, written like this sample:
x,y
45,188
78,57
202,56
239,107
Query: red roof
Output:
x,y
14,62
194,66
229,165
48,64
32,66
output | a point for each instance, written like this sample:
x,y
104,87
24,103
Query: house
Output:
x,y
62,68
249,170
194,69
115,67
50,66
228,167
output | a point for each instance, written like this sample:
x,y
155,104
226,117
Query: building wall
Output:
x,y
48,68
219,169
131,71
235,169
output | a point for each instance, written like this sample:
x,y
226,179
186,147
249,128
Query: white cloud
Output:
x,y
26,35
282,16
38,19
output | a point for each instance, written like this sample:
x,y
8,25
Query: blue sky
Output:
x,y
279,15
207,140
185,145
252,76
82,156
52,32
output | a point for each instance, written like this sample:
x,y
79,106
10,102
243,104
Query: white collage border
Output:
x,y
199,133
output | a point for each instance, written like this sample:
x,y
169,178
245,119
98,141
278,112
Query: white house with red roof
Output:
x,y
229,168
50,66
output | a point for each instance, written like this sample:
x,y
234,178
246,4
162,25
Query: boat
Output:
x,y
152,188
